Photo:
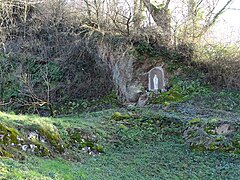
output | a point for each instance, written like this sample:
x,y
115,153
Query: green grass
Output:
x,y
138,154
36,168
167,159
135,148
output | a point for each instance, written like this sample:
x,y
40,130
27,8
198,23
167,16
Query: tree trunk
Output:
x,y
162,18
137,13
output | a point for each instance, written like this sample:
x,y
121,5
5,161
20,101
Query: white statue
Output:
x,y
155,83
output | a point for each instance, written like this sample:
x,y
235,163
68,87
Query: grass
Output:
x,y
134,148
166,159
137,155
169,159
36,168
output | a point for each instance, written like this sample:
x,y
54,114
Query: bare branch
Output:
x,y
218,14
167,3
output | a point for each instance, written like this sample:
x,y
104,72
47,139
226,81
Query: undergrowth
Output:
x,y
180,90
198,93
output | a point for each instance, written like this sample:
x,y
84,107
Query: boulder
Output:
x,y
142,101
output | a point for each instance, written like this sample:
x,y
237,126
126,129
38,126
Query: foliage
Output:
x,y
144,48
124,162
34,85
84,105
225,100
181,91
9,84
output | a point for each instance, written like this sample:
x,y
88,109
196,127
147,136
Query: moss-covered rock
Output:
x,y
213,135
117,116
48,135
38,141
8,135
84,140
194,121
5,153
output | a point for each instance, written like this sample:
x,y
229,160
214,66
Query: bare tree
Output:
x,y
201,16
162,17
198,17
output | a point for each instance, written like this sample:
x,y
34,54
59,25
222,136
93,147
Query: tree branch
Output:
x,y
167,3
219,13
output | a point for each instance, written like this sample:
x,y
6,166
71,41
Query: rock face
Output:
x,y
133,94
130,75
121,64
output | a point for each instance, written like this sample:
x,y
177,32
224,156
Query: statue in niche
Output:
x,y
155,83
156,80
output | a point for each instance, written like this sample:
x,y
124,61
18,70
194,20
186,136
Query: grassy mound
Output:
x,y
44,137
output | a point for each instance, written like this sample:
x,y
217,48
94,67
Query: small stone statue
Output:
x,y
155,83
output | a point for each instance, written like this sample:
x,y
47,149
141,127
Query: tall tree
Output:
x,y
162,17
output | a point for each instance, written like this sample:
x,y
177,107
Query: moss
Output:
x,y
41,149
80,139
175,94
76,136
200,147
210,128
236,143
10,135
213,146
117,116
99,148
219,138
213,121
166,104
123,127
51,135
194,121
5,153
13,146
228,148
236,140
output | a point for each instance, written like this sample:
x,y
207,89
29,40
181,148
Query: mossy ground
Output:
x,y
145,145
134,143
166,159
